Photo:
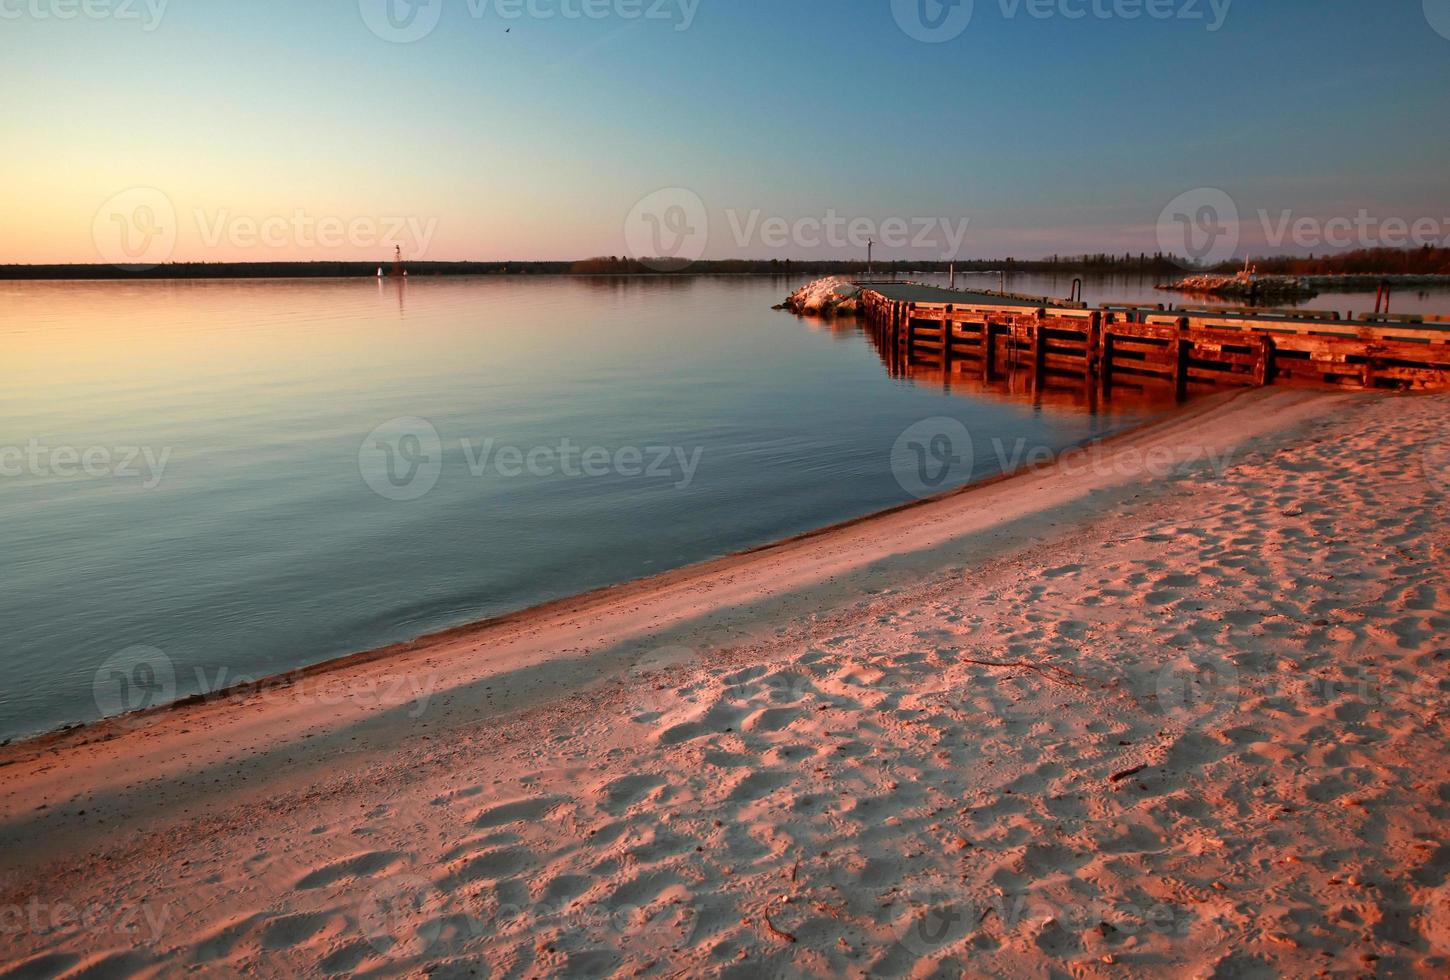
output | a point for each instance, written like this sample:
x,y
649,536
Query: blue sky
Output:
x,y
1046,133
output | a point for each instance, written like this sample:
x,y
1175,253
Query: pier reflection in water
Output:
x,y
1016,381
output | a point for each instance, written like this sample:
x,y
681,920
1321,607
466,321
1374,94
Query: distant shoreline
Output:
x,y
588,268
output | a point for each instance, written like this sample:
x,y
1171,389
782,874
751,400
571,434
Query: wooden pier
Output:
x,y
993,337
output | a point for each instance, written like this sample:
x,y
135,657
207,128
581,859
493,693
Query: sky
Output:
x,y
145,130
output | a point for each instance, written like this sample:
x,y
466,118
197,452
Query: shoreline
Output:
x,y
575,604
823,737
463,642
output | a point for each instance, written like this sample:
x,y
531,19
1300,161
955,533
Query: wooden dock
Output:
x,y
992,337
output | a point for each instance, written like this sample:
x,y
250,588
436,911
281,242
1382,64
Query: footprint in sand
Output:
x,y
291,931
399,916
771,719
361,866
503,862
757,785
1435,460
625,792
44,965
515,810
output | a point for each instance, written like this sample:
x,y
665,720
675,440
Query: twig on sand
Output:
x,y
777,933
1118,777
1059,675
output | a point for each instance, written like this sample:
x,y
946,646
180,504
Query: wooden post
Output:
x,y
906,333
988,348
1185,353
946,341
1092,355
1039,352
1105,362
1367,374
1263,368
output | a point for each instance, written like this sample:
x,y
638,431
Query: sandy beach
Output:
x,y
1174,703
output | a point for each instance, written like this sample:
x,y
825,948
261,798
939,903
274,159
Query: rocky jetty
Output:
x,y
1257,289
825,297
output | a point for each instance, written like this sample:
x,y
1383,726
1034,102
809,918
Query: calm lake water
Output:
x,y
221,480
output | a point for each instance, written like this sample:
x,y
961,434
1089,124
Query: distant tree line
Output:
x,y
1427,261
1384,261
